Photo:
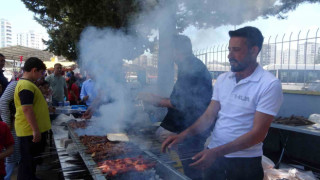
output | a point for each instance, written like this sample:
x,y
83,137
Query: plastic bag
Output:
x,y
306,175
275,174
315,118
290,174
267,163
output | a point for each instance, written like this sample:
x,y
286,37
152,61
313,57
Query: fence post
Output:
x,y
218,53
315,51
221,54
305,60
289,50
213,58
225,57
212,49
281,57
268,52
206,57
297,50
275,54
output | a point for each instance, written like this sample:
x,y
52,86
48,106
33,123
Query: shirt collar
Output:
x,y
255,76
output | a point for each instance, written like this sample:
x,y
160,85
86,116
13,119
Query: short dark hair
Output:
x,y
57,64
182,44
252,34
34,62
1,55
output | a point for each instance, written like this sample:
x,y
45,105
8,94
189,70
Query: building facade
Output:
x,y
307,53
5,33
30,39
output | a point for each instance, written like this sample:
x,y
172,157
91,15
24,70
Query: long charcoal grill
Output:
x,y
165,171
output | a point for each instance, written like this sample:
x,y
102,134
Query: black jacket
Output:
x,y
191,95
3,81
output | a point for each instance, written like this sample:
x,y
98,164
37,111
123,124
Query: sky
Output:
x,y
20,17
305,17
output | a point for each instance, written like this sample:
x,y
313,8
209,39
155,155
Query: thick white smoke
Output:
x,y
102,50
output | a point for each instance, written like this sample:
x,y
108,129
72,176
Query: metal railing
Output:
x,y
293,58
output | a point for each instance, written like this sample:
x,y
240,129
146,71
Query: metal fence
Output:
x,y
292,57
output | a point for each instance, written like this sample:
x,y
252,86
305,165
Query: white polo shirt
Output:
x,y
261,91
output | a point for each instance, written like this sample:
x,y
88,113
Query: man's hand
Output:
x,y
171,141
85,98
36,136
150,98
204,159
87,114
52,109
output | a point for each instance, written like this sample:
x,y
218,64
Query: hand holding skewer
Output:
x,y
150,98
172,141
204,159
87,114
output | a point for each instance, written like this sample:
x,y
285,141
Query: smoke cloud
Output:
x,y
102,50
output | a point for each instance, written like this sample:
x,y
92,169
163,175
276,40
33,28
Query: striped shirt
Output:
x,y
5,100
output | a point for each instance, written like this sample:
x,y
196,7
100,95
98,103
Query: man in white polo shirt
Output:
x,y
244,102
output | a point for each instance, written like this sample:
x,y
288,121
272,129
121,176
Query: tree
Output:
x,y
65,20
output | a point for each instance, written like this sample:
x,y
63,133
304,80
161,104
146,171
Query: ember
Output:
x,y
119,166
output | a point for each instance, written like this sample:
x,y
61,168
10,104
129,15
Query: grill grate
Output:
x,y
160,170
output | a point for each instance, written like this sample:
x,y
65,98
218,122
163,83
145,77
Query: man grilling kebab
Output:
x,y
189,99
244,102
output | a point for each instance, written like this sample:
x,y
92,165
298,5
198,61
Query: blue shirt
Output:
x,y
88,89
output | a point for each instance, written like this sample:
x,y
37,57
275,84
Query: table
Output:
x,y
298,143
59,133
300,129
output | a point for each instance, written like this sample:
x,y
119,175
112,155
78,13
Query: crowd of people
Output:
x,y
25,103
237,111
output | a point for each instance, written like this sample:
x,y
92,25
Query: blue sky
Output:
x,y
19,16
305,17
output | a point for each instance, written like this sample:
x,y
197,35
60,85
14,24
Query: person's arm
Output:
x,y
256,135
5,100
66,93
201,125
155,100
165,102
7,152
31,118
83,93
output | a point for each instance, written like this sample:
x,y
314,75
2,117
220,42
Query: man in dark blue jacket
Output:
x,y
189,99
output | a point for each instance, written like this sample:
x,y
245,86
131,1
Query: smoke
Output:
x,y
102,50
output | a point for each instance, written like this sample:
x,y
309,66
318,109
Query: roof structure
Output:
x,y
14,53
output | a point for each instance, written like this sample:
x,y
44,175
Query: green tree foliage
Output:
x,y
66,19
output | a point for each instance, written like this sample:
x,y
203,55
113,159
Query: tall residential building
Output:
x,y
307,52
5,33
289,56
268,54
30,39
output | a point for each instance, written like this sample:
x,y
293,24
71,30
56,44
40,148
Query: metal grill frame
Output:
x,y
164,170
